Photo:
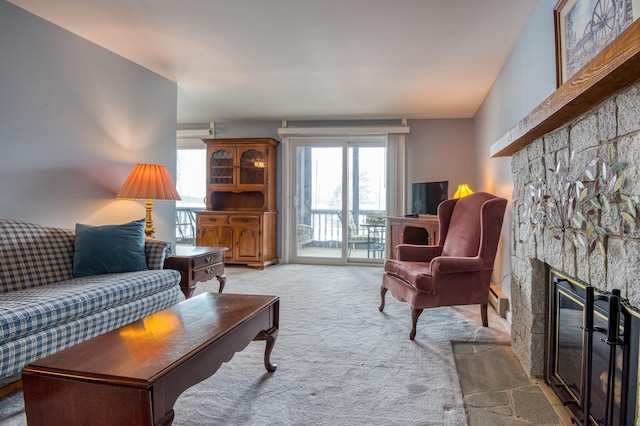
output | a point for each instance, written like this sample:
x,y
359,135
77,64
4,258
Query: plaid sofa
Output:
x,y
43,309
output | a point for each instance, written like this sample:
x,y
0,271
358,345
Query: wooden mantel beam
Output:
x,y
614,68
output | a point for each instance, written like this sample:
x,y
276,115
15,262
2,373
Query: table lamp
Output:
x,y
462,191
148,182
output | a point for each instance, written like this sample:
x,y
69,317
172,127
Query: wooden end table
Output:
x,y
134,374
197,264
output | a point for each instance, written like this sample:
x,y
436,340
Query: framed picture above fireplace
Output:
x,y
584,27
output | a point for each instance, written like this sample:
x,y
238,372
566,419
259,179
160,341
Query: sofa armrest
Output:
x,y
416,253
156,251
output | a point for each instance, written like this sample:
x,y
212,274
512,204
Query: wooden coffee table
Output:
x,y
133,375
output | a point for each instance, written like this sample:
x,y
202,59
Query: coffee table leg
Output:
x,y
222,279
270,337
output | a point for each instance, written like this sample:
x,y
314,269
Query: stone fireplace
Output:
x,y
614,122
593,352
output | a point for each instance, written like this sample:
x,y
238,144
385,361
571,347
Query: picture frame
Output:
x,y
584,27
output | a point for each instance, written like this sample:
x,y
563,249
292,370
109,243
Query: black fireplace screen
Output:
x,y
593,361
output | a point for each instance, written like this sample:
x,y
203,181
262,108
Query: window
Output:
x,y
191,184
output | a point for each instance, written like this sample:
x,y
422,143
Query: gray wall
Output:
x,y
440,150
527,78
74,118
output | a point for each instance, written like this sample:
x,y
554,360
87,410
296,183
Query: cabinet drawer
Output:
x,y
245,220
211,219
207,260
208,273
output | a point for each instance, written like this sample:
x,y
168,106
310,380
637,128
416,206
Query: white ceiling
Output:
x,y
307,59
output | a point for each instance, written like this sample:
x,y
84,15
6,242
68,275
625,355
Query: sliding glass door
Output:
x,y
339,200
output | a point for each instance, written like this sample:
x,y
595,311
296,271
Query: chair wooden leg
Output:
x,y
415,314
483,313
383,291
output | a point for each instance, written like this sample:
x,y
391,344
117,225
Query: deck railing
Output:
x,y
185,225
327,224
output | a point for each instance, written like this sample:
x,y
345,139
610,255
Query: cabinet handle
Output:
x,y
213,219
244,220
209,270
209,259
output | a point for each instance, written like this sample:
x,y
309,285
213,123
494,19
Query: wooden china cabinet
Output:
x,y
241,198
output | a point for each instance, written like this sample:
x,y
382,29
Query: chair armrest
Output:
x,y
451,265
156,252
416,253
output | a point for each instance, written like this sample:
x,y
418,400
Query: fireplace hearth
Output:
x,y
592,362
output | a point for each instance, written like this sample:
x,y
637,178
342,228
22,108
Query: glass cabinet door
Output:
x,y
253,167
221,168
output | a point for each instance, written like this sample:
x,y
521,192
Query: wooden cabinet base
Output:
x,y
412,230
250,236
257,265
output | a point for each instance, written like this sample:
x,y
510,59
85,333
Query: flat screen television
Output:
x,y
426,196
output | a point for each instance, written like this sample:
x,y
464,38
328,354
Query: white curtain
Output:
x,y
396,174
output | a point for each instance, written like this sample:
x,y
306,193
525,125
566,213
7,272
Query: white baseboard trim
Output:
x,y
498,300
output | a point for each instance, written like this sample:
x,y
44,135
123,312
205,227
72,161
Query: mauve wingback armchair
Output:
x,y
458,270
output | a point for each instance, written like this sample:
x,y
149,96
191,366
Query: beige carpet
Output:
x,y
340,361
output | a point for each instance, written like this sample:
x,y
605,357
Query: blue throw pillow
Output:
x,y
109,249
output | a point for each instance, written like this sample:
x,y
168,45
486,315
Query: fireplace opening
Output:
x,y
592,362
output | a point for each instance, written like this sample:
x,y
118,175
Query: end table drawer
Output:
x,y
208,273
208,260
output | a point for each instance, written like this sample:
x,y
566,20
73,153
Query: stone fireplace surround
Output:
x,y
615,121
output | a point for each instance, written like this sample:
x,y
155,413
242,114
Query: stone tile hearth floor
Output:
x,y
497,391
